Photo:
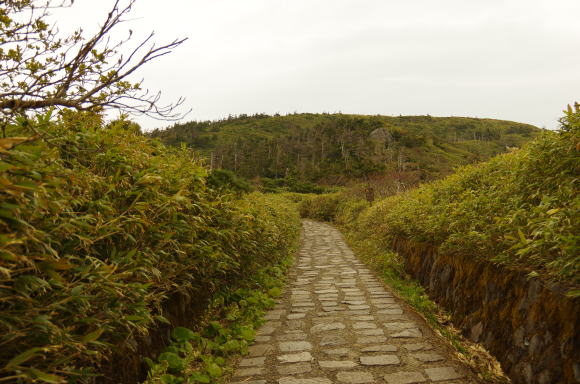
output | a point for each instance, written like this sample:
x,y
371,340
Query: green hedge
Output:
x,y
320,207
519,209
97,226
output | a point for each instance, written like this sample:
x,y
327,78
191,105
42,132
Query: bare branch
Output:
x,y
41,69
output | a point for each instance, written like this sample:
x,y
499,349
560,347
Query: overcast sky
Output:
x,y
507,59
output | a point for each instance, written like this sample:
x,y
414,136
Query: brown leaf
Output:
x,y
10,142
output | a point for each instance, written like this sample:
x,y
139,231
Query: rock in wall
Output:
x,y
529,325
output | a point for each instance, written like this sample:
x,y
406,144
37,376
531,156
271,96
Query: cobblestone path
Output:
x,y
337,323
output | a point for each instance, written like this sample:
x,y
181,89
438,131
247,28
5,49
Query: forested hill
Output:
x,y
333,148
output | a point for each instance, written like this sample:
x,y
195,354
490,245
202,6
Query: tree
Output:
x,y
41,69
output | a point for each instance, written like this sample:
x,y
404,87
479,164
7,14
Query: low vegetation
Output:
x,y
520,209
206,356
98,226
390,153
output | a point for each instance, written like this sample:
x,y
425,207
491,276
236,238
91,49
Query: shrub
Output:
x,y
98,225
320,207
290,184
226,180
519,209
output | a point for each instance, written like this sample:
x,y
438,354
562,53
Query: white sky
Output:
x,y
507,59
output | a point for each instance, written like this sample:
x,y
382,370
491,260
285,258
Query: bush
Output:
x,y
339,208
320,207
519,209
348,212
98,226
294,197
225,180
227,331
290,184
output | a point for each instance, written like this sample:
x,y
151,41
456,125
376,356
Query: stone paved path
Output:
x,y
337,323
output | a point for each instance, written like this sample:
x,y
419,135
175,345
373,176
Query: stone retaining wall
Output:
x,y
530,326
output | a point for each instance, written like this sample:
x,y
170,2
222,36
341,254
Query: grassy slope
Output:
x,y
432,145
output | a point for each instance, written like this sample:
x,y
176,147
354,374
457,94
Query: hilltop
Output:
x,y
332,149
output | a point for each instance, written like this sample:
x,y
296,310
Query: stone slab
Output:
x,y
294,369
380,360
337,364
294,380
260,350
380,348
295,357
292,346
252,362
249,371
427,357
355,377
405,378
443,373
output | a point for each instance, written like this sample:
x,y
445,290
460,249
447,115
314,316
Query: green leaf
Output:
x,y
168,379
46,377
10,142
77,290
6,214
522,237
162,319
150,363
231,346
214,370
5,166
198,377
533,274
175,363
215,325
182,334
247,334
23,357
92,336
9,207
275,291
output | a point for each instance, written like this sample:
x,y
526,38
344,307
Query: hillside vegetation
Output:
x,y
98,227
520,210
334,148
